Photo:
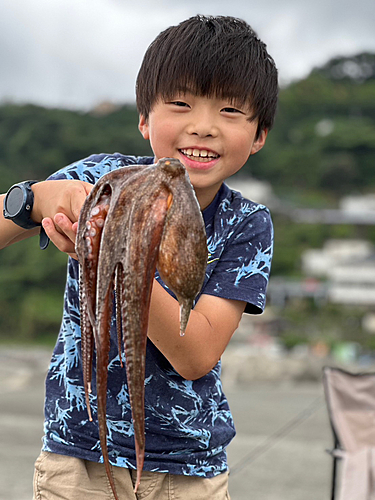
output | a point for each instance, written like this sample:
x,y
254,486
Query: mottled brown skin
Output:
x,y
134,220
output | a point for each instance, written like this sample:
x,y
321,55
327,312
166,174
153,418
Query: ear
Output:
x,y
143,127
259,142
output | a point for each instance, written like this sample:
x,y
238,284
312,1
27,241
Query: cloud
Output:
x,y
76,53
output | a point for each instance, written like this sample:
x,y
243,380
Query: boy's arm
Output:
x,y
241,272
211,325
10,232
57,205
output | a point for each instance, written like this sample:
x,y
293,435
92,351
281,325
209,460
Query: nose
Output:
x,y
203,124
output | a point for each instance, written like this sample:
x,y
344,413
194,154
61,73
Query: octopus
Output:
x,y
135,220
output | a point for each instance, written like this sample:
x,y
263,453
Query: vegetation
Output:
x,y
322,147
324,136
35,141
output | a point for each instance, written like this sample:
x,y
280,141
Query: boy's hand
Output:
x,y
57,206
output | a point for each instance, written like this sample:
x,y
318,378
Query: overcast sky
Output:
x,y
77,53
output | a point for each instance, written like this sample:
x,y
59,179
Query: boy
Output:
x,y
206,94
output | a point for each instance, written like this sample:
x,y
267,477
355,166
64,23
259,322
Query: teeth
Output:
x,y
199,153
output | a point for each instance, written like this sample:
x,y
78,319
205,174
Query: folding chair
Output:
x,y
350,401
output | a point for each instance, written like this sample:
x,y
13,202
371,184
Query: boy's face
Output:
x,y
210,136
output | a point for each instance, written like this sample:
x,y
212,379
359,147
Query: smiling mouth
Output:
x,y
201,155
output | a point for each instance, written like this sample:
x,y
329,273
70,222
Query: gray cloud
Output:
x,y
77,53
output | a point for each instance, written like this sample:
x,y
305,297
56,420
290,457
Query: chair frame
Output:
x,y
338,448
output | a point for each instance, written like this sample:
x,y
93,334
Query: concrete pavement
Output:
x,y
278,453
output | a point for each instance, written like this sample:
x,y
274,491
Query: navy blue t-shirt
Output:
x,y
188,423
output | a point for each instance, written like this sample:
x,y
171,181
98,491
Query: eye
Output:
x,y
232,110
180,104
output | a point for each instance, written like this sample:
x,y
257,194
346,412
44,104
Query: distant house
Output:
x,y
351,210
362,203
349,269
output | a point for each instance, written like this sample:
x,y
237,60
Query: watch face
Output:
x,y
14,201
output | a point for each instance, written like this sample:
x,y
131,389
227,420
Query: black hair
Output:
x,y
210,56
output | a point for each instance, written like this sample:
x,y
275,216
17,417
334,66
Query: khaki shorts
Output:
x,y
59,477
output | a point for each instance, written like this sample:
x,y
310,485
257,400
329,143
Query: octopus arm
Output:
x,y
183,254
129,249
90,226
134,219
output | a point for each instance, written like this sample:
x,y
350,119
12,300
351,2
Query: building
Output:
x,y
348,266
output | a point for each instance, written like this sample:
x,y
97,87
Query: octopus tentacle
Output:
x,y
87,347
142,258
88,277
183,249
118,292
91,223
102,342
134,220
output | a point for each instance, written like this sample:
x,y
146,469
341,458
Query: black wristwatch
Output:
x,y
18,204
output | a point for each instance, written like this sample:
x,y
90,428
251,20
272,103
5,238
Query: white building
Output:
x,y
362,203
348,266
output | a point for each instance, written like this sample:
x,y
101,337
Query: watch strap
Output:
x,y
43,239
